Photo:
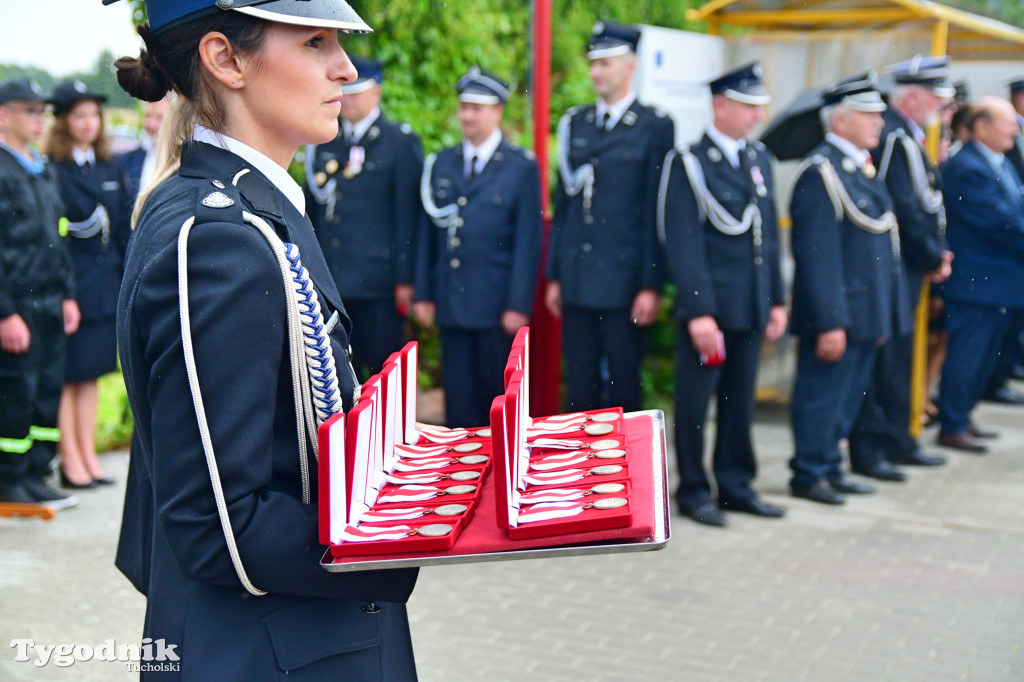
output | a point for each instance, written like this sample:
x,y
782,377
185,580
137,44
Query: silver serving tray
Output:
x,y
662,528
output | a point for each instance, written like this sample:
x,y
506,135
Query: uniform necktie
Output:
x,y
606,121
472,169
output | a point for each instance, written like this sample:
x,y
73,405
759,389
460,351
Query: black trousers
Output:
x,y
1011,353
734,383
473,373
590,336
976,333
882,428
377,332
30,387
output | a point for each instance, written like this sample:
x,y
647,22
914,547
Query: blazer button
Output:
x,y
456,263
587,248
456,242
461,201
370,607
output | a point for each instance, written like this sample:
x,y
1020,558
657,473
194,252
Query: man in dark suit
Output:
x,y
718,225
848,295
881,438
603,265
986,231
362,193
479,249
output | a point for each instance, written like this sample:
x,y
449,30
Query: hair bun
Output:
x,y
142,77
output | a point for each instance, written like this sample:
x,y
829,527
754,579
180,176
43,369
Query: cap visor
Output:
x,y
609,51
321,13
361,85
479,98
748,97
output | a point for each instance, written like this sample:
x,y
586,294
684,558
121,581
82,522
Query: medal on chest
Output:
x,y
354,165
759,184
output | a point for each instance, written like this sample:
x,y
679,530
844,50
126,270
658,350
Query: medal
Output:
x,y
606,444
434,530
464,475
473,459
604,470
320,179
558,510
458,490
609,503
331,166
606,489
448,510
483,433
354,166
869,169
467,447
598,429
605,417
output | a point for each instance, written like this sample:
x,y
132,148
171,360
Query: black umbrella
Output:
x,y
797,130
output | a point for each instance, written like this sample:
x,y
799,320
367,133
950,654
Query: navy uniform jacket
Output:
x,y
922,239
172,547
731,277
986,232
489,263
98,260
368,234
132,162
604,255
846,277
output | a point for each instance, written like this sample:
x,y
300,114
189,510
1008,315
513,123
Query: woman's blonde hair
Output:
x,y
58,142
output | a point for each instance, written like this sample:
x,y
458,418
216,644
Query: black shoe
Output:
x,y
708,514
752,505
47,495
883,471
917,458
845,485
106,480
821,492
65,482
16,493
1004,395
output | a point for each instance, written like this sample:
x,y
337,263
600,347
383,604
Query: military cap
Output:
x,y
928,72
164,14
859,92
744,84
21,89
370,74
1016,85
962,93
609,39
70,92
479,86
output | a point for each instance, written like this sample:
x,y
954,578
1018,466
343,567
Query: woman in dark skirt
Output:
x,y
97,213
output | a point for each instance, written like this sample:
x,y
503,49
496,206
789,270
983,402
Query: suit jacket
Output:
x,y
734,278
98,260
172,546
603,254
490,262
132,162
986,232
369,237
846,277
922,239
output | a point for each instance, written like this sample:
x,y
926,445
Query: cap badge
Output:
x,y
80,87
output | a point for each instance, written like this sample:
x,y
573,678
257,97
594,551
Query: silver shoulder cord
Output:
x,y
574,181
445,217
97,223
842,204
928,199
328,194
314,378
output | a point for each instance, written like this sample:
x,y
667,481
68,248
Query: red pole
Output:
x,y
545,329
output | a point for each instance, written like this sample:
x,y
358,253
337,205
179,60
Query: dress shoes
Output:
x,y
708,514
16,493
752,505
981,432
44,494
1004,395
850,487
822,493
916,458
963,441
66,482
882,471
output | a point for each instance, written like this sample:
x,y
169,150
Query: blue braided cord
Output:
x,y
318,350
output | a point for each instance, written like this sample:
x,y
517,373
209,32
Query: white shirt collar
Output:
x,y
82,158
860,156
729,146
358,129
616,110
277,175
484,152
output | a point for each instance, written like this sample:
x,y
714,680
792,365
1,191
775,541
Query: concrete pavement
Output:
x,y
923,581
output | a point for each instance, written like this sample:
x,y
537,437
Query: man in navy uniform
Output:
x,y
362,193
479,249
881,438
848,294
603,263
717,222
37,303
986,231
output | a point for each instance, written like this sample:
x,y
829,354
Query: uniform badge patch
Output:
x,y
218,200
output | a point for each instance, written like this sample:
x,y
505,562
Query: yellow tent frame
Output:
x,y
962,35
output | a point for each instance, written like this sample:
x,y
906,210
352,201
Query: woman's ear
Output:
x,y
221,60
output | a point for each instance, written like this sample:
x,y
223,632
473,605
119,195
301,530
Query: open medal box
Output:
x,y
397,493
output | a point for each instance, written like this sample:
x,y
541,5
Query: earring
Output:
x,y
234,82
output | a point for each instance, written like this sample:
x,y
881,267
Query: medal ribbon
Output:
x,y
418,451
404,478
446,438
409,493
556,443
555,477
550,510
421,464
379,515
356,534
553,495
556,461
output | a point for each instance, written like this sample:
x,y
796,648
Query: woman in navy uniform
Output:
x,y
93,187
220,521
478,249
362,189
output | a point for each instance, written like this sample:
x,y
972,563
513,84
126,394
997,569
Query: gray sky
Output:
x,y
64,36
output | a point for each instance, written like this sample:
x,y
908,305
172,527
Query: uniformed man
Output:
x,y
479,249
362,193
37,303
848,295
717,222
881,438
603,269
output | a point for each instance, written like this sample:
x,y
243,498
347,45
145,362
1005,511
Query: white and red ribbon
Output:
x,y
553,495
550,510
418,451
409,493
372,533
555,477
399,514
560,460
407,477
421,464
